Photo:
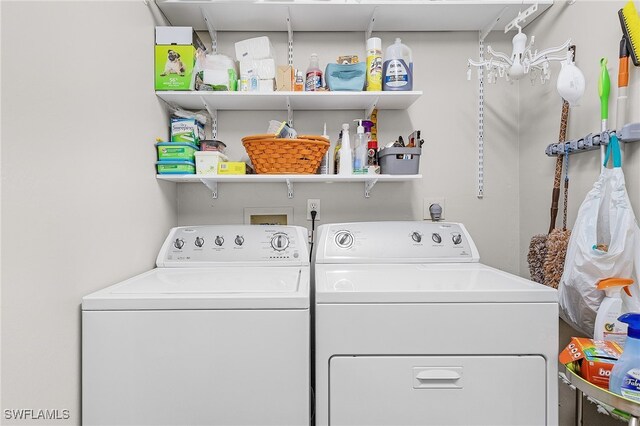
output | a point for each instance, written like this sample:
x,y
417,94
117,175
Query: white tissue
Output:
x,y
254,48
264,68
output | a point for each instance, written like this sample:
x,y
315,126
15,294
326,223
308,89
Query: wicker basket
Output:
x,y
271,155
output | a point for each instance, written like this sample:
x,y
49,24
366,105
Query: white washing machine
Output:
x,y
217,334
411,329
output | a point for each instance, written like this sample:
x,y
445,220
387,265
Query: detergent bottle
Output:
x,y
607,326
397,69
625,375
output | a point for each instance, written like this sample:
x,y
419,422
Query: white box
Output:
x,y
207,162
266,85
176,35
264,68
254,48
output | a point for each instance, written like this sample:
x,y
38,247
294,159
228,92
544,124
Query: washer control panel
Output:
x,y
395,242
221,244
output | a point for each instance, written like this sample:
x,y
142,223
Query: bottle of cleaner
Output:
x,y
607,326
625,375
336,154
324,164
360,150
346,163
314,75
374,64
397,71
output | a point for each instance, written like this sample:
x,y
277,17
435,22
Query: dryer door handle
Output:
x,y
438,375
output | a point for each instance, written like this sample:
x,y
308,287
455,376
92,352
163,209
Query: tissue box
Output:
x,y
254,48
592,359
284,78
348,77
207,162
264,68
265,85
175,56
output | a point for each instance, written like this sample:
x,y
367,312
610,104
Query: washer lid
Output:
x,y
428,283
207,288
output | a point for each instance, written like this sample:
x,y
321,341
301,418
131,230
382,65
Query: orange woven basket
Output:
x,y
271,155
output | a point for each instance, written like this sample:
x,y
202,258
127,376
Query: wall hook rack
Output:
x,y
591,142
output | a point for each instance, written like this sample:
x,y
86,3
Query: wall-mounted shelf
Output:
x,y
211,181
244,101
346,15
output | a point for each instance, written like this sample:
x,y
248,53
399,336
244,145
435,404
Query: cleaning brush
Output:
x,y
630,22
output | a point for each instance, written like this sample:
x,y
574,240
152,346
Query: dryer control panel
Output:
x,y
395,242
193,246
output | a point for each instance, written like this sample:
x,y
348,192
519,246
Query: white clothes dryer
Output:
x,y
217,334
411,329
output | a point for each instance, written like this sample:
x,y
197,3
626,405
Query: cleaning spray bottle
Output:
x,y
314,75
324,164
607,327
625,375
360,150
346,163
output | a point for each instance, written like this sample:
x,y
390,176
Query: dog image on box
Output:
x,y
173,65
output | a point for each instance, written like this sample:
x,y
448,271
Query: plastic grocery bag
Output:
x,y
605,243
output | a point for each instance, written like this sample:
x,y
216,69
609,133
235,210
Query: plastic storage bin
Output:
x,y
176,167
399,160
346,77
175,151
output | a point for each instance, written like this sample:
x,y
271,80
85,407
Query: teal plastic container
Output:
x,y
175,151
625,375
176,167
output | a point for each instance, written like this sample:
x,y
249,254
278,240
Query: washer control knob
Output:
x,y
344,239
280,242
416,237
436,238
239,240
178,243
219,240
199,241
457,239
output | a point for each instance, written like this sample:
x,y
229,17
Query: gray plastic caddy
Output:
x,y
399,160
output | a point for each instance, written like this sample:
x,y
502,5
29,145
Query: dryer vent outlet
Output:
x,y
432,201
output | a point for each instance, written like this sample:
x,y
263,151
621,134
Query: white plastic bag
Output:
x,y
605,243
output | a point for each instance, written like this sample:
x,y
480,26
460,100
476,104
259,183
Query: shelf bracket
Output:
x,y
289,188
289,112
212,185
212,31
367,34
290,36
368,186
213,113
369,110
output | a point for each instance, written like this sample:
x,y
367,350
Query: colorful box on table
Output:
x,y
591,359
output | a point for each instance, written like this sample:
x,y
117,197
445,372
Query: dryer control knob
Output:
x,y
178,243
199,241
436,238
416,237
219,240
344,239
457,239
280,242
239,240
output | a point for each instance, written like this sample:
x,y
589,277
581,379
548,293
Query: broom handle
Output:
x,y
555,196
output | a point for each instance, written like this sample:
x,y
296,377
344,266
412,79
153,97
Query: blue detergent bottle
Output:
x,y
625,375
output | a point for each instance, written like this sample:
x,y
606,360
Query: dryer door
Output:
x,y
435,390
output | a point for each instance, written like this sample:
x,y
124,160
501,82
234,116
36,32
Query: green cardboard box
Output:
x,y
174,66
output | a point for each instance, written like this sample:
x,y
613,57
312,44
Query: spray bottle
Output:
x,y
346,163
625,375
360,150
607,327
314,75
324,164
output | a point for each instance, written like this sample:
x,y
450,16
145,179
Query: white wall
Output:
x,y
594,28
447,116
81,208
